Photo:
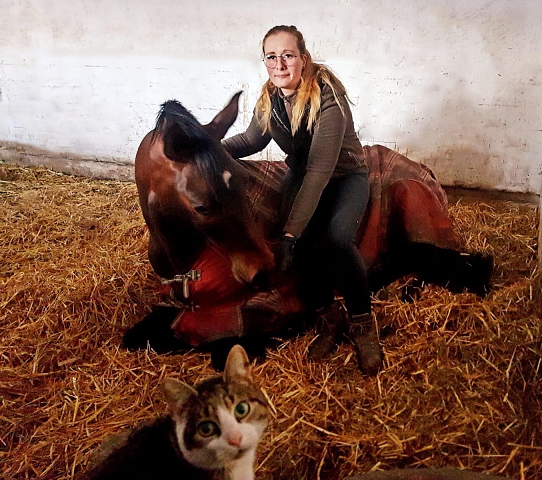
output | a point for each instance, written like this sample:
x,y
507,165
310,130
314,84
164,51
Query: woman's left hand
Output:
x,y
285,252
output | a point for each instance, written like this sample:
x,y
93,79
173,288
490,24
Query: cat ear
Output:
x,y
237,365
176,393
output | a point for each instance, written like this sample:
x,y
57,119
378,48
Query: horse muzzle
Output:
x,y
252,272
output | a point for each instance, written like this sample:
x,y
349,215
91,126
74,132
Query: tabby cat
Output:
x,y
212,432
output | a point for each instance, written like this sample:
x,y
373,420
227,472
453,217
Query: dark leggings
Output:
x,y
327,255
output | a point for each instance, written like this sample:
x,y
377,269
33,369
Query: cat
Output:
x,y
212,432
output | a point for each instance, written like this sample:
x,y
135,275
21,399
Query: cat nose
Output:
x,y
234,439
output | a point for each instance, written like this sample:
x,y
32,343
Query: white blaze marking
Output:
x,y
226,176
180,181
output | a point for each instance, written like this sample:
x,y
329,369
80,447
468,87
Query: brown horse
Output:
x,y
212,218
191,192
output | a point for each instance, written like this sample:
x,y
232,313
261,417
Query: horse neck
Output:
x,y
263,192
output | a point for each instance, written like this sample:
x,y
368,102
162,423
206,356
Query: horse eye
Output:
x,y
207,428
202,210
242,409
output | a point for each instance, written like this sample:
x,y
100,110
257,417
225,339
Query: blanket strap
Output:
x,y
191,275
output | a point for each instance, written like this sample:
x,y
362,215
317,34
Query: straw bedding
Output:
x,y
461,386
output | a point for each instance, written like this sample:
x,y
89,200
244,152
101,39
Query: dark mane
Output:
x,y
185,140
174,112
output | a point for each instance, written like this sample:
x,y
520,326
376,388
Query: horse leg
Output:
x,y
423,242
454,270
155,332
457,271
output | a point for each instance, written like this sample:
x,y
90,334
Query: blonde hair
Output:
x,y
308,92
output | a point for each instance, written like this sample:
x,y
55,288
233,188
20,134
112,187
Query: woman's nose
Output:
x,y
281,64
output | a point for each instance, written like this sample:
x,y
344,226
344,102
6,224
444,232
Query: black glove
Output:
x,y
285,253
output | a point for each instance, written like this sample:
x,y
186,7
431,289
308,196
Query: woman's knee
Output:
x,y
340,238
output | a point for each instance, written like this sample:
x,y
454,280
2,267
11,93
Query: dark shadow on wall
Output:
x,y
471,142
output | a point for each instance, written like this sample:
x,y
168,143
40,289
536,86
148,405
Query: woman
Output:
x,y
304,108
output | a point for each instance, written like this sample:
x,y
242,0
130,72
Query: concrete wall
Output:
x,y
455,84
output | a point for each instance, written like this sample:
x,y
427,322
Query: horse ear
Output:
x,y
238,366
218,127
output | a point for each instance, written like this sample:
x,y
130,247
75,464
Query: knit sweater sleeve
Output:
x,y
323,155
251,141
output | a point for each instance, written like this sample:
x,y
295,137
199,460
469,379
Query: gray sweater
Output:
x,y
331,150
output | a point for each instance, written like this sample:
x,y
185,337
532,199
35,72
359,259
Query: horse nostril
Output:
x,y
261,280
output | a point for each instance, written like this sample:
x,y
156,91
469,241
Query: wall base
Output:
x,y
112,169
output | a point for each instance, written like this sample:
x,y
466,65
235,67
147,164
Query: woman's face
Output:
x,y
283,46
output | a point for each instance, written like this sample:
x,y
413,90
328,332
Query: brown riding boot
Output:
x,y
362,334
330,325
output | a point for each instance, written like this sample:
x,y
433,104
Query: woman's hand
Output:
x,y
285,252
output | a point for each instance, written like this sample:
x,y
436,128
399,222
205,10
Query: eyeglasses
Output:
x,y
271,60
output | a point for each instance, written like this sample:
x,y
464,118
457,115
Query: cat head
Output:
x,y
220,420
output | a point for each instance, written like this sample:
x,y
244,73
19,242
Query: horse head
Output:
x,y
191,192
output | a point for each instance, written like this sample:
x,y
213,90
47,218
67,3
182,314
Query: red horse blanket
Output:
x,y
407,204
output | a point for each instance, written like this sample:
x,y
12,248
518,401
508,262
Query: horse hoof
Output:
x,y
473,275
154,332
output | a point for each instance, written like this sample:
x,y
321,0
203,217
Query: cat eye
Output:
x,y
207,428
242,409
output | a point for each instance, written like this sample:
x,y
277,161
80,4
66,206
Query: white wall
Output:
x,y
453,83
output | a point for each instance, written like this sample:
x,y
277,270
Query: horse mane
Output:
x,y
185,140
